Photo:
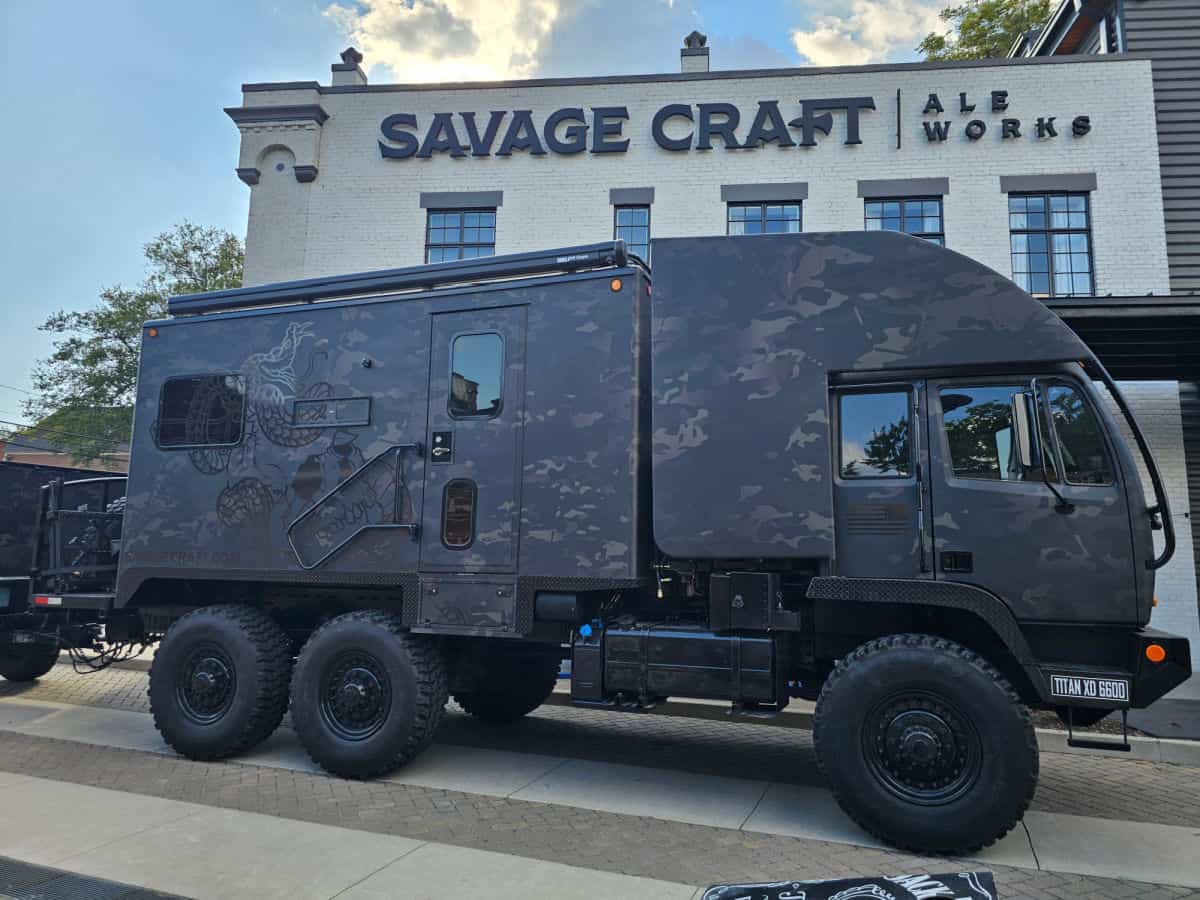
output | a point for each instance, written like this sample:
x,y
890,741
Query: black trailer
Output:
x,y
853,467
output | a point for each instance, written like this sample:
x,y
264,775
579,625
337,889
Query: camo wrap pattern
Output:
x,y
576,466
745,334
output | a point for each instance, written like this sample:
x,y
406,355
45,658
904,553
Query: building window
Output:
x,y
201,411
762,218
874,435
1051,244
920,217
476,375
459,234
631,224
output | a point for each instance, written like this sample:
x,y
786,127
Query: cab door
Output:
x,y
471,516
878,489
1062,552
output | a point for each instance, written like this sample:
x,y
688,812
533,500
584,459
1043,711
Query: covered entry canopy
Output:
x,y
1138,338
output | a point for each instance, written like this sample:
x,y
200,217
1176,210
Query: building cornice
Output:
x,y
254,115
734,74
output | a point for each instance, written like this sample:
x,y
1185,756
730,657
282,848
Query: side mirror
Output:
x,y
1024,431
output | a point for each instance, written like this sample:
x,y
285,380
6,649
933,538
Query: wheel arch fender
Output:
x,y
945,607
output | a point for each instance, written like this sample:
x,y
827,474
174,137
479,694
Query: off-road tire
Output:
x,y
27,662
256,651
950,677
1082,716
409,667
512,688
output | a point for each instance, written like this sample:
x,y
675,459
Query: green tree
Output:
x,y
83,392
984,29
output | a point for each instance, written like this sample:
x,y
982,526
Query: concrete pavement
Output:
x,y
1067,843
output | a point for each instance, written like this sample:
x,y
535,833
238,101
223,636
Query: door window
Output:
x,y
979,431
1080,440
875,435
476,374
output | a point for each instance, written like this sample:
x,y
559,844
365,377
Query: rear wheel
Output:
x,y
367,696
506,687
925,744
219,681
27,662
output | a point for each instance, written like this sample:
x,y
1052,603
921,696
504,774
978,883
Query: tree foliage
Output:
x,y
984,29
83,392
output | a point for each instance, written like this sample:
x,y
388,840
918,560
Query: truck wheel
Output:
x,y
27,662
926,745
510,687
367,696
219,681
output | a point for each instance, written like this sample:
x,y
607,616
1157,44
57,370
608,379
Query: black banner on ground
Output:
x,y
959,886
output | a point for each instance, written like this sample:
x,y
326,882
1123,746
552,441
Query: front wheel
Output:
x,y
506,687
925,744
27,662
367,695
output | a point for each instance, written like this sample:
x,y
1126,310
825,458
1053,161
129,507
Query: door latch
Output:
x,y
442,450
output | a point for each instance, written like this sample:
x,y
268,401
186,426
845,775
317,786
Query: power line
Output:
x,y
19,390
30,431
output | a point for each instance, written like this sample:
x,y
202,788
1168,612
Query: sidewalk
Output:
x,y
200,852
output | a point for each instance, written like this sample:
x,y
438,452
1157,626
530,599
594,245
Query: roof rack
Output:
x,y
427,277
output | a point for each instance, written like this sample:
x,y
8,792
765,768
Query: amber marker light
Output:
x,y
1156,653
152,332
615,284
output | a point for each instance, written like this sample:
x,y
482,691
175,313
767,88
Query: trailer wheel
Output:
x,y
219,681
510,687
367,696
925,744
27,662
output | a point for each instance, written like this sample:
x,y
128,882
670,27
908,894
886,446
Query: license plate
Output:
x,y
1086,687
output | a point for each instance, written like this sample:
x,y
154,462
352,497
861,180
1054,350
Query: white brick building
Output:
x,y
350,176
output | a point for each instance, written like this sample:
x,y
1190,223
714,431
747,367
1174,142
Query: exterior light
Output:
x,y
1156,653
615,284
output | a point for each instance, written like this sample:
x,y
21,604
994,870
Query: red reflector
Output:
x,y
43,600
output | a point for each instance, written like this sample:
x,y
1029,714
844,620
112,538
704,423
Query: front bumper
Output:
x,y
1133,682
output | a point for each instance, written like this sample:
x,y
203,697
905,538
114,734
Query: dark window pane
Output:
x,y
874,435
1079,437
476,376
460,235
458,513
979,433
201,410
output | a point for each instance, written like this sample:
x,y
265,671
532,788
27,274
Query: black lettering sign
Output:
x,y
963,105
936,131
521,135
441,137
999,101
933,104
813,118
976,129
574,139
1010,128
671,111
768,127
482,146
1045,127
1081,125
724,129
602,129
390,127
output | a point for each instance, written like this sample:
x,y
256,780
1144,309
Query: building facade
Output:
x,y
1044,168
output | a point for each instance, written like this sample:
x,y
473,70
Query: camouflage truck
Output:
x,y
853,467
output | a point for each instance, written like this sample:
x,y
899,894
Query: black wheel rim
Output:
x,y
206,684
922,748
356,695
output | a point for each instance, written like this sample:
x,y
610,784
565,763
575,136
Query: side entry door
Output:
x,y
879,495
1045,527
471,518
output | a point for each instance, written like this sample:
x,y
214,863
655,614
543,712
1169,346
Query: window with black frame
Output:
x,y
1080,439
631,224
452,234
762,218
1051,244
201,411
918,216
874,435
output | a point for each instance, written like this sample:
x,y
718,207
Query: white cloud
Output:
x,y
870,31
451,40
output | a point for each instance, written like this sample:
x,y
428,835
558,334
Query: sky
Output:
x,y
113,111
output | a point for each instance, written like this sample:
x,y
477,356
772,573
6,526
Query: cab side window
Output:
x,y
875,435
1080,441
979,431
